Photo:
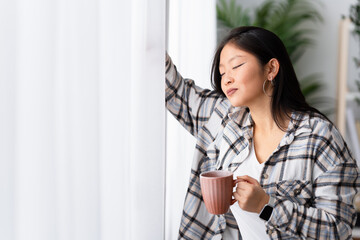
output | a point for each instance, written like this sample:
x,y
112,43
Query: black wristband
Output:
x,y
266,212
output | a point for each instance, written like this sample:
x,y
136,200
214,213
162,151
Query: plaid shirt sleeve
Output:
x,y
190,104
330,214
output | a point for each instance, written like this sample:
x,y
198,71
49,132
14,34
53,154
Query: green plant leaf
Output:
x,y
262,14
231,15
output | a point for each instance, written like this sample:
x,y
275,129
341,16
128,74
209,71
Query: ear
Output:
x,y
272,69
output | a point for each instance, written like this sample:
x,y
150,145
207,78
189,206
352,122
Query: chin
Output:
x,y
236,103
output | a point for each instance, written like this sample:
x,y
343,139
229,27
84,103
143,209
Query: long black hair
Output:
x,y
265,45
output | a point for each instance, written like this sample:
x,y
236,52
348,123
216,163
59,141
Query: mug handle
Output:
x,y
235,181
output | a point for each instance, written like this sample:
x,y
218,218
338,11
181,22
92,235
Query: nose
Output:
x,y
228,80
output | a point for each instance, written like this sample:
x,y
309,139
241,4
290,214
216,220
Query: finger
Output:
x,y
236,196
249,179
243,186
233,198
236,181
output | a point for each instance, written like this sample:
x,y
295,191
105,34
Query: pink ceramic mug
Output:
x,y
217,188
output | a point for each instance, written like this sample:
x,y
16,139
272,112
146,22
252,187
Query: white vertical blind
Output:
x,y
192,42
76,131
7,124
115,122
82,119
147,173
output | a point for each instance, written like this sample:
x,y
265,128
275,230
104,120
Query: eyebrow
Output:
x,y
231,59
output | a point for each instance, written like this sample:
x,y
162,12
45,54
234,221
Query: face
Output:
x,y
242,76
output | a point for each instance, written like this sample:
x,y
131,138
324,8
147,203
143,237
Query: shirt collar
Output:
x,y
299,124
241,117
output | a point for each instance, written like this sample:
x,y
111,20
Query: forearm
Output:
x,y
190,104
177,99
308,222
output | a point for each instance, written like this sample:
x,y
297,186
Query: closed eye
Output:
x,y
222,74
239,65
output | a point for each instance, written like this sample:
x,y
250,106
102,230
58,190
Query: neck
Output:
x,y
263,119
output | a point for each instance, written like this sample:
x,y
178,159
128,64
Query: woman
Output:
x,y
298,175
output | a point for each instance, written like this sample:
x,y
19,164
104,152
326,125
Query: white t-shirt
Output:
x,y
251,226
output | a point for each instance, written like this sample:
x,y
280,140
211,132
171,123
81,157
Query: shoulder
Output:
x,y
326,139
323,128
315,124
221,114
221,107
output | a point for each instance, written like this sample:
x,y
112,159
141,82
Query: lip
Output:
x,y
231,91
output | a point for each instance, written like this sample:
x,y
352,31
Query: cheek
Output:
x,y
245,83
252,82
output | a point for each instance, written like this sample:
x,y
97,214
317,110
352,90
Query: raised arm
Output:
x,y
190,104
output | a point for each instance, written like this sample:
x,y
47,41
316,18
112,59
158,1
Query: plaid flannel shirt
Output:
x,y
311,174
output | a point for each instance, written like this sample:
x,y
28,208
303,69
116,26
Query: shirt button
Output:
x,y
265,176
297,191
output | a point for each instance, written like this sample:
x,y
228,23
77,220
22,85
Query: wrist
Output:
x,y
266,212
265,200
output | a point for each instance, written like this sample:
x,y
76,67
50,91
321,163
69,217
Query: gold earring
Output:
x,y
264,87
271,81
